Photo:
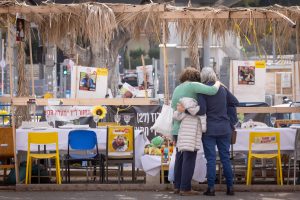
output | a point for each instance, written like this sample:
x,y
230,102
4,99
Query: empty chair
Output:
x,y
263,140
84,142
42,139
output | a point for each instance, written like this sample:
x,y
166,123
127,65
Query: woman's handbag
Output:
x,y
233,137
163,123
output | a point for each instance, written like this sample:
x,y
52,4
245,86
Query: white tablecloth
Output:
x,y
22,141
152,164
287,138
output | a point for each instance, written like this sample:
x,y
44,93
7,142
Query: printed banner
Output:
x,y
140,117
67,113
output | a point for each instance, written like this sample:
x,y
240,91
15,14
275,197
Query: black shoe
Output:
x,y
210,192
230,191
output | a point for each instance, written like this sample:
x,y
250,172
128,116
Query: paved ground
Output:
x,y
139,195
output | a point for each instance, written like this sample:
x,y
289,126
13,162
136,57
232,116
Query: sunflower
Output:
x,y
6,119
100,111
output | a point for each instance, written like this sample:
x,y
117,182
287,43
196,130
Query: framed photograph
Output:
x,y
88,81
246,75
20,33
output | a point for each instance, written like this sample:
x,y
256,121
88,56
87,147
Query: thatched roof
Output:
x,y
98,22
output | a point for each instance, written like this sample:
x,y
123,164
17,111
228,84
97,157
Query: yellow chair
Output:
x,y
44,139
264,138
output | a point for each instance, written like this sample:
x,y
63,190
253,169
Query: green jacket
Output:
x,y
190,89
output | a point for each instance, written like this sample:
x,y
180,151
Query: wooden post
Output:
x,y
145,77
294,76
11,78
166,70
2,69
31,64
297,29
76,76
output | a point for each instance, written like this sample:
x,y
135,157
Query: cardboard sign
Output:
x,y
120,140
260,64
265,140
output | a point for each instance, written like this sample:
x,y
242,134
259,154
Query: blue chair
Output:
x,y
86,142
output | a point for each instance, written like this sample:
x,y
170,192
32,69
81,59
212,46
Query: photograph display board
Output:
x,y
88,82
248,80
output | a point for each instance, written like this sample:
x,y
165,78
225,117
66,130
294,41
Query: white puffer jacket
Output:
x,y
191,126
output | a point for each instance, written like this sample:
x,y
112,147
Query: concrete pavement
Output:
x,y
123,195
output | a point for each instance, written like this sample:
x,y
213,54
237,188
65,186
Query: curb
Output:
x,y
147,187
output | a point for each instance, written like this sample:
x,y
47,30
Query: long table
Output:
x,y
22,141
152,164
287,138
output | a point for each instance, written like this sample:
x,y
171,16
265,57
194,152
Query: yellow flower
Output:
x,y
6,119
100,111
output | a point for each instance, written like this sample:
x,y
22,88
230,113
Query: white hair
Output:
x,y
208,75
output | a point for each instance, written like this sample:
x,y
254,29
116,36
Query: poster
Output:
x,y
248,82
149,76
20,33
246,75
88,81
120,140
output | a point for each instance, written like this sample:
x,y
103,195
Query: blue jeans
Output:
x,y
209,146
184,169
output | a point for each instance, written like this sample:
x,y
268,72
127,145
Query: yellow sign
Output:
x,y
120,139
102,72
260,64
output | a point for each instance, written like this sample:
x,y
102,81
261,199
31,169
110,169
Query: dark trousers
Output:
x,y
184,169
209,146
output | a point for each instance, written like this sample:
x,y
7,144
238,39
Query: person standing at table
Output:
x,y
220,110
190,86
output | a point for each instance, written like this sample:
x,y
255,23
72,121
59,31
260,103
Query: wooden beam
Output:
x,y
268,109
19,101
71,8
218,15
89,102
5,99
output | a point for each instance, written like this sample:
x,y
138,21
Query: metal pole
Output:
x,y
166,70
61,80
206,50
154,61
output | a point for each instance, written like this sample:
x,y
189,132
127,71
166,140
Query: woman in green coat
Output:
x,y
185,161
